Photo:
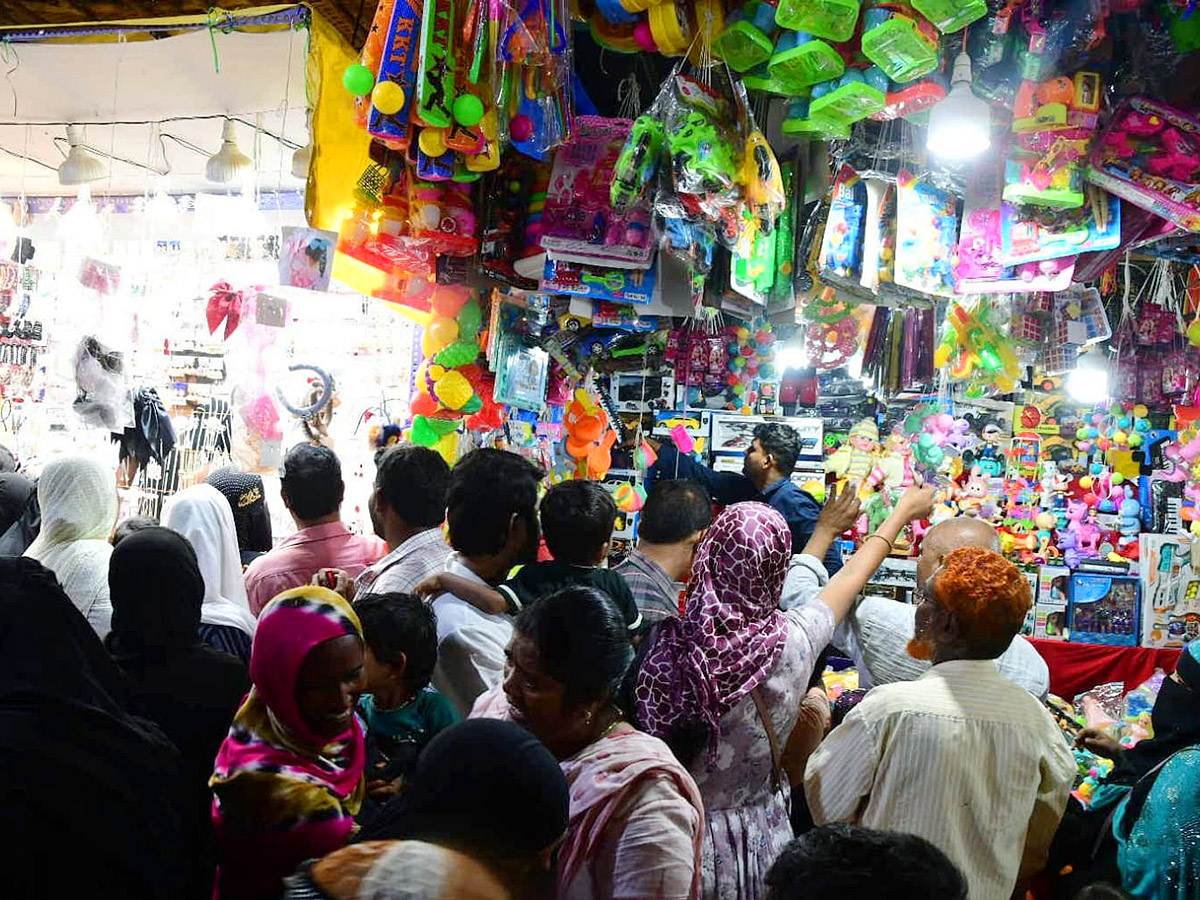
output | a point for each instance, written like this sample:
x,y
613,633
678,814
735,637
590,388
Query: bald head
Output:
x,y
963,531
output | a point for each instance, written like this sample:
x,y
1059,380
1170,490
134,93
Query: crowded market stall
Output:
x,y
955,241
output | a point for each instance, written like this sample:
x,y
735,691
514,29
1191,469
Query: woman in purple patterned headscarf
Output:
x,y
724,683
732,630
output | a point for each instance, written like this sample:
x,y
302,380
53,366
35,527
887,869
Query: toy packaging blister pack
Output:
x,y
1028,236
579,224
615,285
1149,154
979,268
927,232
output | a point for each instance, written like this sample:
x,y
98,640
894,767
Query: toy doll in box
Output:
x,y
1150,155
1104,609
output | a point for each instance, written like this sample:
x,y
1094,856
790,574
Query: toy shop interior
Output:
x,y
951,242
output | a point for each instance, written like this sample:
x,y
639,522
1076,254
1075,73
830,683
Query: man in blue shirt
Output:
x,y
769,462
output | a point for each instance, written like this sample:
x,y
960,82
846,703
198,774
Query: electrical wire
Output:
x,y
290,144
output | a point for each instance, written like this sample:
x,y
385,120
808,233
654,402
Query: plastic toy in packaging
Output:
x,y
397,65
533,84
854,96
972,343
830,19
899,41
443,215
638,163
703,148
798,122
579,223
1149,154
614,285
905,101
950,16
841,247
927,231
762,182
747,39
801,60
1027,235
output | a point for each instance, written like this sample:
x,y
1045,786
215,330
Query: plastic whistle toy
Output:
x,y
949,16
854,96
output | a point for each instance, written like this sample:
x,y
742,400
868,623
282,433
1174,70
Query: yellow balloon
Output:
x,y
432,141
388,98
428,345
442,331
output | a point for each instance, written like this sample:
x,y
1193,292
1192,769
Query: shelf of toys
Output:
x,y
766,237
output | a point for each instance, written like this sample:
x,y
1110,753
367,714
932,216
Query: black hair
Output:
x,y
582,641
782,442
834,862
396,623
487,488
131,525
413,480
674,511
1101,891
577,520
8,461
311,478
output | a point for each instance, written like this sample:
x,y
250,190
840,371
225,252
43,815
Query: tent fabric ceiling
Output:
x,y
351,18
166,93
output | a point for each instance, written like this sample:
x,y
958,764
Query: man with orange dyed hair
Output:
x,y
962,756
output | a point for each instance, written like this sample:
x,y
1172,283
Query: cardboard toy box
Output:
x,y
1170,591
1050,604
1104,609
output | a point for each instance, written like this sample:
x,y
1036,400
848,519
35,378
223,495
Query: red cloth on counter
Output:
x,y
1075,668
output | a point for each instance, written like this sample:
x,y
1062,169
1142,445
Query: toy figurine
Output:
x,y
857,458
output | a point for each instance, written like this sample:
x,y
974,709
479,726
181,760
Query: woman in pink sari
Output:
x,y
636,817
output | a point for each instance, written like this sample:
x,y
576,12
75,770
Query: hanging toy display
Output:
x,y
975,349
751,361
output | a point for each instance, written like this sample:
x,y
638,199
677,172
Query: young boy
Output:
x,y
577,522
401,711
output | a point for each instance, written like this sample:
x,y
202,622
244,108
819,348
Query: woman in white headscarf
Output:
x,y
202,515
78,498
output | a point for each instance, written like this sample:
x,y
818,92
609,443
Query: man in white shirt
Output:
x,y
491,511
877,631
408,505
962,756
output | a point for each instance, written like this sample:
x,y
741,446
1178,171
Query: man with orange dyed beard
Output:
x,y
961,756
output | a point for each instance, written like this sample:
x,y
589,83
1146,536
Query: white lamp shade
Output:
x,y
301,160
228,163
80,166
960,127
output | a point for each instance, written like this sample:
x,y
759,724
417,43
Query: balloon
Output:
x,y
447,301
1120,437
743,335
358,80
739,389
443,331
1118,478
423,405
520,129
1085,483
1135,440
739,361
1140,411
388,98
1081,434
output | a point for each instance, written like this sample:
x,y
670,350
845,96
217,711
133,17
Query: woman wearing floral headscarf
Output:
x,y
723,684
289,777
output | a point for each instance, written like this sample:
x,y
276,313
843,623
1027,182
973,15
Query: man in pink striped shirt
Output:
x,y
312,488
